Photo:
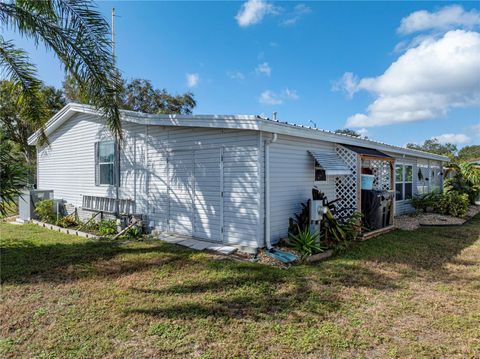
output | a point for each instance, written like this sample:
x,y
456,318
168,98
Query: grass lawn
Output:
x,y
404,294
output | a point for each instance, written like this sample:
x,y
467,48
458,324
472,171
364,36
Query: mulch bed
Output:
x,y
414,221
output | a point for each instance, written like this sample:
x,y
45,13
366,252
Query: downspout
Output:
x,y
267,189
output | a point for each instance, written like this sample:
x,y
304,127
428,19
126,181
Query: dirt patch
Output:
x,y
414,221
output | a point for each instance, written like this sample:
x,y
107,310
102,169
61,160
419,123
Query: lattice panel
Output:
x,y
346,186
381,171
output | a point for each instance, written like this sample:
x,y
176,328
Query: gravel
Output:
x,y
413,221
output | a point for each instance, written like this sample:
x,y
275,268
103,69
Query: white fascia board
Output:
x,y
306,132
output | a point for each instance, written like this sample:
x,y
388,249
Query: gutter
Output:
x,y
266,164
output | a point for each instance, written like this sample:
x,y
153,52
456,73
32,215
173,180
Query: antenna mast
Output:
x,y
113,34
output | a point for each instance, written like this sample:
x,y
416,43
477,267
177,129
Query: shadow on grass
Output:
x,y
28,261
249,291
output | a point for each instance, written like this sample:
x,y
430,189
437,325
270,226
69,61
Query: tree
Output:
x,y
15,123
469,153
347,131
77,33
434,146
12,175
138,95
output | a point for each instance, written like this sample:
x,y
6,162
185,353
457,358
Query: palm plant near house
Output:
x,y
78,35
465,180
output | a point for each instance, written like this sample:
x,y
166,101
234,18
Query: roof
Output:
x,y
367,151
244,122
331,163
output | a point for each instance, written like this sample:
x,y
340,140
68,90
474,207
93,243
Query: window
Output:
x,y
105,161
320,174
403,182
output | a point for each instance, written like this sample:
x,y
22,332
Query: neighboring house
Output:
x,y
229,179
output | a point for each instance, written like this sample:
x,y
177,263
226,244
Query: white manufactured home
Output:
x,y
229,179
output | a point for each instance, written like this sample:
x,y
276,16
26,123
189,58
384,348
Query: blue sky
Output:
x,y
332,63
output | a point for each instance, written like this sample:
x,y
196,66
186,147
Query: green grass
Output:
x,y
404,294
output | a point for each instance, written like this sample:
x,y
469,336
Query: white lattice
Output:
x,y
381,171
346,186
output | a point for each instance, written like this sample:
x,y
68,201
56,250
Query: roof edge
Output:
x,y
247,122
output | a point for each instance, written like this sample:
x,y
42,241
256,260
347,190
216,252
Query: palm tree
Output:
x,y
77,33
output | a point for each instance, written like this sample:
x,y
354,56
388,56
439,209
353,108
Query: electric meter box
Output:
x,y
316,210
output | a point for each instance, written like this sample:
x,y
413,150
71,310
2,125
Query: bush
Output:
x,y
425,201
305,243
452,203
465,180
335,233
132,233
45,210
67,221
300,222
107,227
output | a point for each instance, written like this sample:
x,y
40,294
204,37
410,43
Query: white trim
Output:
x,y
242,122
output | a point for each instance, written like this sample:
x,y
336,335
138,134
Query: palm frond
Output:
x,y
78,35
16,66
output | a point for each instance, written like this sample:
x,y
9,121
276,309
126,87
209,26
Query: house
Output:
x,y
228,179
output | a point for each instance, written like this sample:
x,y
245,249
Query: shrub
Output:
x,y
107,227
452,203
132,233
465,180
301,221
425,201
67,221
305,243
45,210
335,233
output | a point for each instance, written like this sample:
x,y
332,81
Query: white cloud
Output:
x,y
446,18
423,83
363,132
253,11
298,11
476,130
236,75
269,97
348,83
290,94
192,79
454,138
264,68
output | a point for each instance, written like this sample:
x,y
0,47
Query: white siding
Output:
x,y
68,167
292,179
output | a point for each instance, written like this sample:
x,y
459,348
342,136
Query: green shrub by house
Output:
x,y
452,203
45,210
107,227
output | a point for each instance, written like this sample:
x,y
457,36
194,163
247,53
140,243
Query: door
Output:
x,y
195,193
207,214
180,180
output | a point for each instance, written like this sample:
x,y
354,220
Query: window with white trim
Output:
x,y
403,181
105,163
320,174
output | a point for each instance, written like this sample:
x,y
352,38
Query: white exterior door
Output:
x,y
195,193
180,180
207,213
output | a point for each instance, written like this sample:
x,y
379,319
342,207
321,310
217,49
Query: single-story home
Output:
x,y
229,179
